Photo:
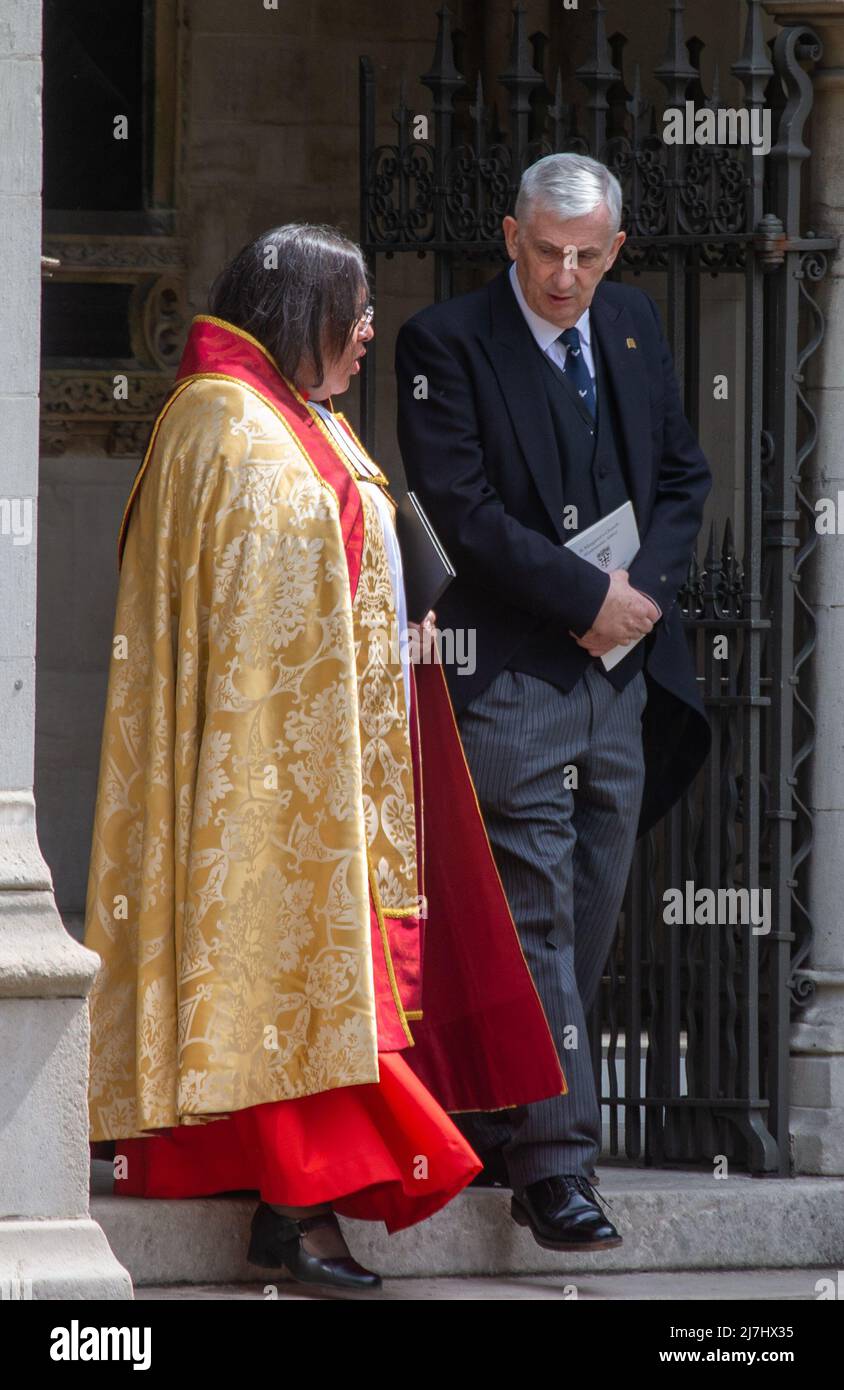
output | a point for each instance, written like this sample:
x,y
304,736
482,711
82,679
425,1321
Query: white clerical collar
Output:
x,y
346,443
544,332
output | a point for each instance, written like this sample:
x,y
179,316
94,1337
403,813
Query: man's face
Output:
x,y
560,262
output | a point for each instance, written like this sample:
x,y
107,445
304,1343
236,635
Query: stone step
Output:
x,y
721,1285
670,1220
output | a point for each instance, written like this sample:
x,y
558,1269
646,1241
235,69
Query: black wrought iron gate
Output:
x,y
693,1020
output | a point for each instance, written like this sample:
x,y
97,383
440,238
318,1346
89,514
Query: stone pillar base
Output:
x,y
816,1124
50,1248
58,1260
817,1138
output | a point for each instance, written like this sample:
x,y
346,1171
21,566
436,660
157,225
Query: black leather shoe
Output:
x,y
276,1242
563,1214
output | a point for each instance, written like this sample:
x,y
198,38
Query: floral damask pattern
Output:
x,y
385,735
255,760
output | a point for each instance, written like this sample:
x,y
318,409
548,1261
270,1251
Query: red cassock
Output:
x,y
387,1150
382,1152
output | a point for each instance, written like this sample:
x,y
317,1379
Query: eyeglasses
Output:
x,y
366,318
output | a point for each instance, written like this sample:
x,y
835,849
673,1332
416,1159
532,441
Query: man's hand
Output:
x,y
624,616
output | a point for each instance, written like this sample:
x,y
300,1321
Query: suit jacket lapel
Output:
x,y
627,376
512,351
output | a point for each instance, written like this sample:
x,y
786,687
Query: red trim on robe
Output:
x,y
391,1035
483,1042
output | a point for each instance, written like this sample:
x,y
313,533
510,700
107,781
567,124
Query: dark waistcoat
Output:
x,y
594,476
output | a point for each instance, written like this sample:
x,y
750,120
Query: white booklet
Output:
x,y
611,544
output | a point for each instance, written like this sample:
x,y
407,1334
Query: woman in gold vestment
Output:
x,y
255,891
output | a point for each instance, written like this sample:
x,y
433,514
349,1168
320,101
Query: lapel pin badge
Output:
x,y
631,342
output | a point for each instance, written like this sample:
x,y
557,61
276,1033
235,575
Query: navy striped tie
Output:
x,y
576,369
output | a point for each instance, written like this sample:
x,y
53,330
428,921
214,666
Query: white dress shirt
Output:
x,y
547,334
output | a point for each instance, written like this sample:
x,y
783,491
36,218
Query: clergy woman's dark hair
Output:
x,y
298,289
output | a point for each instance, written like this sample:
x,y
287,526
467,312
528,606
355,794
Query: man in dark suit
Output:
x,y
528,411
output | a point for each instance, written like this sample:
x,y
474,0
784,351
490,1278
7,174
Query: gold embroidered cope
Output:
x,y
255,766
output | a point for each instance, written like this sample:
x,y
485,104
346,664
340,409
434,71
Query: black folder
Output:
x,y
427,569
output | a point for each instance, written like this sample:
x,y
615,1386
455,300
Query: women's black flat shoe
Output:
x,y
276,1242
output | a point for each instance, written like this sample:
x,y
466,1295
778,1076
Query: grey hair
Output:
x,y
570,185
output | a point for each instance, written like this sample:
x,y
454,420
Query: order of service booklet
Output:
x,y
611,544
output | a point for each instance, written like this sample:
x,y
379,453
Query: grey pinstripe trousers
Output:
x,y
563,851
